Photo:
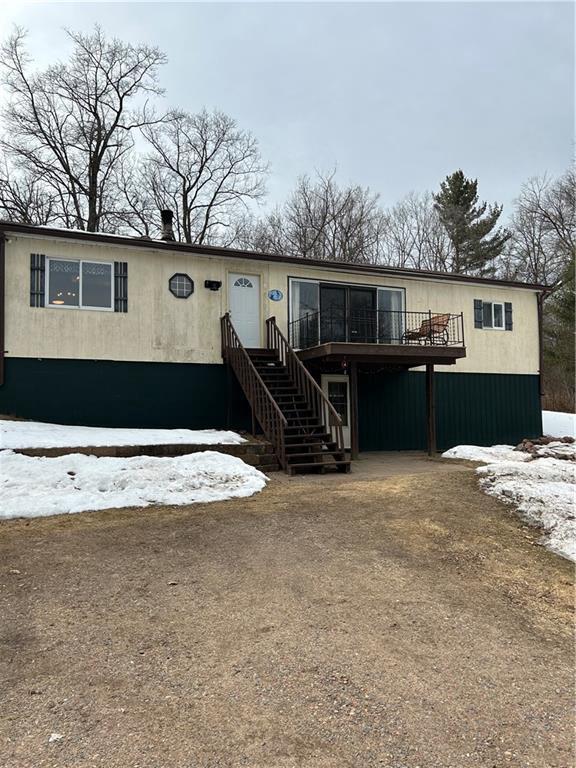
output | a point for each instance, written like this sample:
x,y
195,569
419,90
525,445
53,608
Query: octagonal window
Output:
x,y
181,285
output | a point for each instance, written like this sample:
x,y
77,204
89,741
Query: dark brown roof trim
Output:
x,y
235,253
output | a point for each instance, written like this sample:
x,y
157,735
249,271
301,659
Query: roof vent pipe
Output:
x,y
167,230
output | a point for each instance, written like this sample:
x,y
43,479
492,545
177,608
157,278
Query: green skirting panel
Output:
x,y
471,408
122,394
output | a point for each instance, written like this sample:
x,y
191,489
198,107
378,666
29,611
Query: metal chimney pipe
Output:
x,y
167,217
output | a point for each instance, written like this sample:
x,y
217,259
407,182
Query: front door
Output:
x,y
244,301
336,388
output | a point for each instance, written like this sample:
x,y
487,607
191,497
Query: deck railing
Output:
x,y
316,400
377,326
263,405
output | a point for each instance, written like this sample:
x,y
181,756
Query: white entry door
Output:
x,y
244,300
336,387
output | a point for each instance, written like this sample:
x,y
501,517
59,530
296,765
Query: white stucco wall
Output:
x,y
159,327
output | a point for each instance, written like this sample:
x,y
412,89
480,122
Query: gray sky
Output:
x,y
396,95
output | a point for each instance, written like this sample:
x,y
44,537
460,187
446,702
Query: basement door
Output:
x,y
336,387
244,300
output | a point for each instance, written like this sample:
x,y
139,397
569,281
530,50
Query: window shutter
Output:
x,y
478,313
508,316
120,286
37,279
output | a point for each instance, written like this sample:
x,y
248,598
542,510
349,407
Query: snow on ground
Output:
x,y
40,486
543,492
558,424
542,489
486,454
35,434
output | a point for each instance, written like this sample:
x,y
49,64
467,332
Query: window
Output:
x,y
304,308
338,396
492,315
243,282
390,315
495,315
80,284
181,286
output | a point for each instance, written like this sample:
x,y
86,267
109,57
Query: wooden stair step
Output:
x,y
321,466
322,437
320,444
313,455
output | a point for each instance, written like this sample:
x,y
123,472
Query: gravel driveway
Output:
x,y
382,618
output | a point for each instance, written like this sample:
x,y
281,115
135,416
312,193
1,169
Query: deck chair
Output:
x,y
433,330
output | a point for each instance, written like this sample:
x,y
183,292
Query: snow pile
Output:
x,y
485,454
35,434
40,486
558,424
543,492
542,488
556,451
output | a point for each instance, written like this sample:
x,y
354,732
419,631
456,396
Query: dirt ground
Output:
x,y
393,617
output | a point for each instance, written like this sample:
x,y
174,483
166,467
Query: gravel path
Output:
x,y
354,621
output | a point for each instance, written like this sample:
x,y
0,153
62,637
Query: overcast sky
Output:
x,y
396,95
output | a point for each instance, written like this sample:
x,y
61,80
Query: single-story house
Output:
x,y
122,331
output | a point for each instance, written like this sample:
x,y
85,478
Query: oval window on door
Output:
x,y
243,282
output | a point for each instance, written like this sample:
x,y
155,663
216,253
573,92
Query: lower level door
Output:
x,y
336,387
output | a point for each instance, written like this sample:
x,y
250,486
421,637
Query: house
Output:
x,y
119,331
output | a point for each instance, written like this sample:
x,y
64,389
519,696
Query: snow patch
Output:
x,y
558,424
543,493
486,454
40,486
542,488
35,434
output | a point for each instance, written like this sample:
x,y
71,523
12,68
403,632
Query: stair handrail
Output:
x,y
307,385
265,408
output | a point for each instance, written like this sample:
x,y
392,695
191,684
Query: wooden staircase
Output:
x,y
295,415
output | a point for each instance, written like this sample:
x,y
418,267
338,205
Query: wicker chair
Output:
x,y
433,330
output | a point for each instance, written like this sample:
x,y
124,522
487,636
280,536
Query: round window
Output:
x,y
181,286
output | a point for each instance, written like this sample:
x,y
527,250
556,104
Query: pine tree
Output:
x,y
469,225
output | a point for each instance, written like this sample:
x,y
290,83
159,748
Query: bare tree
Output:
x,y
543,230
414,235
72,124
321,220
23,197
204,168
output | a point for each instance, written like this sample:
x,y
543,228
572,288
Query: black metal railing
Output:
x,y
377,326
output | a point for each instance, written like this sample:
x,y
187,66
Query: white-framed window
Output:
x,y
493,315
243,282
78,284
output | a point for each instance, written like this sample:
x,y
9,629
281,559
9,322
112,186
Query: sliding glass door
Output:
x,y
304,313
339,312
390,315
363,315
333,306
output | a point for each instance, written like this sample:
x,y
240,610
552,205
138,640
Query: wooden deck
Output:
x,y
407,355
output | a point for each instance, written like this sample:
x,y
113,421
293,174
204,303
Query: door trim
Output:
x,y
325,378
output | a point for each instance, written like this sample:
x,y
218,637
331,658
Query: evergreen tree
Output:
x,y
469,225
